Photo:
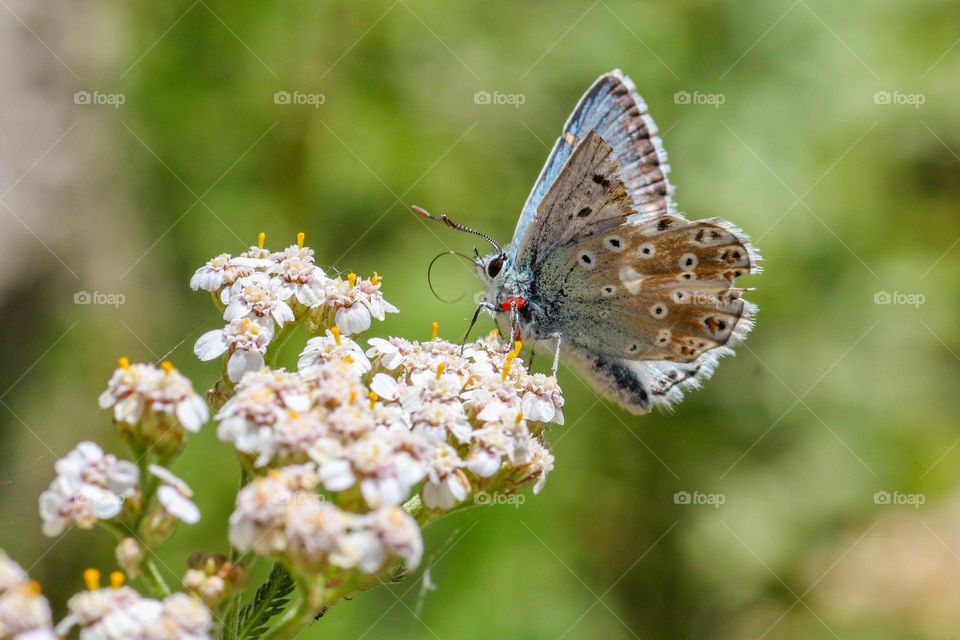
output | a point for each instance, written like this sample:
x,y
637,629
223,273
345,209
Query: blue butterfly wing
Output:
x,y
613,108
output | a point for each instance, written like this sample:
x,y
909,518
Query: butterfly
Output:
x,y
605,271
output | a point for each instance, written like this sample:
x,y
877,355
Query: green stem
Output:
x,y
156,579
231,619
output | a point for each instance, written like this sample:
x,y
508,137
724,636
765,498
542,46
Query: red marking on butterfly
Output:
x,y
513,302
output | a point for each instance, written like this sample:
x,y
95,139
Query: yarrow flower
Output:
x,y
258,297
245,339
138,391
344,458
118,611
282,516
89,486
24,612
355,302
223,271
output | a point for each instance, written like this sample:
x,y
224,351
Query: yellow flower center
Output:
x,y
300,238
91,578
261,238
123,362
116,579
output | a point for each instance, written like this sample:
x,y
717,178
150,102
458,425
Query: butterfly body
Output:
x,y
639,299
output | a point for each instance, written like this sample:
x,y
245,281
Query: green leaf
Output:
x,y
270,600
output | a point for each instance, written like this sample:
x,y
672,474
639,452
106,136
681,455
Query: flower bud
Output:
x,y
129,556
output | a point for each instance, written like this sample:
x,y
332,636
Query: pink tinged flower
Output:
x,y
258,296
211,276
248,340
175,495
224,270
302,280
89,486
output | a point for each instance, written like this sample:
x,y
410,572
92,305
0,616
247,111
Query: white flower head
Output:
x,y
259,297
223,271
262,400
248,341
302,280
356,302
24,612
331,347
135,389
89,486
118,611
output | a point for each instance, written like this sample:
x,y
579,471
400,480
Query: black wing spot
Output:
x,y
586,259
599,179
664,224
583,213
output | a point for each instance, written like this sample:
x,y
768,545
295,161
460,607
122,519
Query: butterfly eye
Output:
x,y
494,267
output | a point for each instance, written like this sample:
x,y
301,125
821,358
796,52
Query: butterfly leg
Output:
x,y
556,355
473,321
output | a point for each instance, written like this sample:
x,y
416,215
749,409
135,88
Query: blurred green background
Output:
x,y
827,131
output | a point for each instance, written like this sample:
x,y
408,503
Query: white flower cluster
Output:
x,y
138,392
281,515
261,291
24,612
363,432
89,486
120,613
92,486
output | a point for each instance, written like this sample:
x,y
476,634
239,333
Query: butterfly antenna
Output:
x,y
445,219
430,276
